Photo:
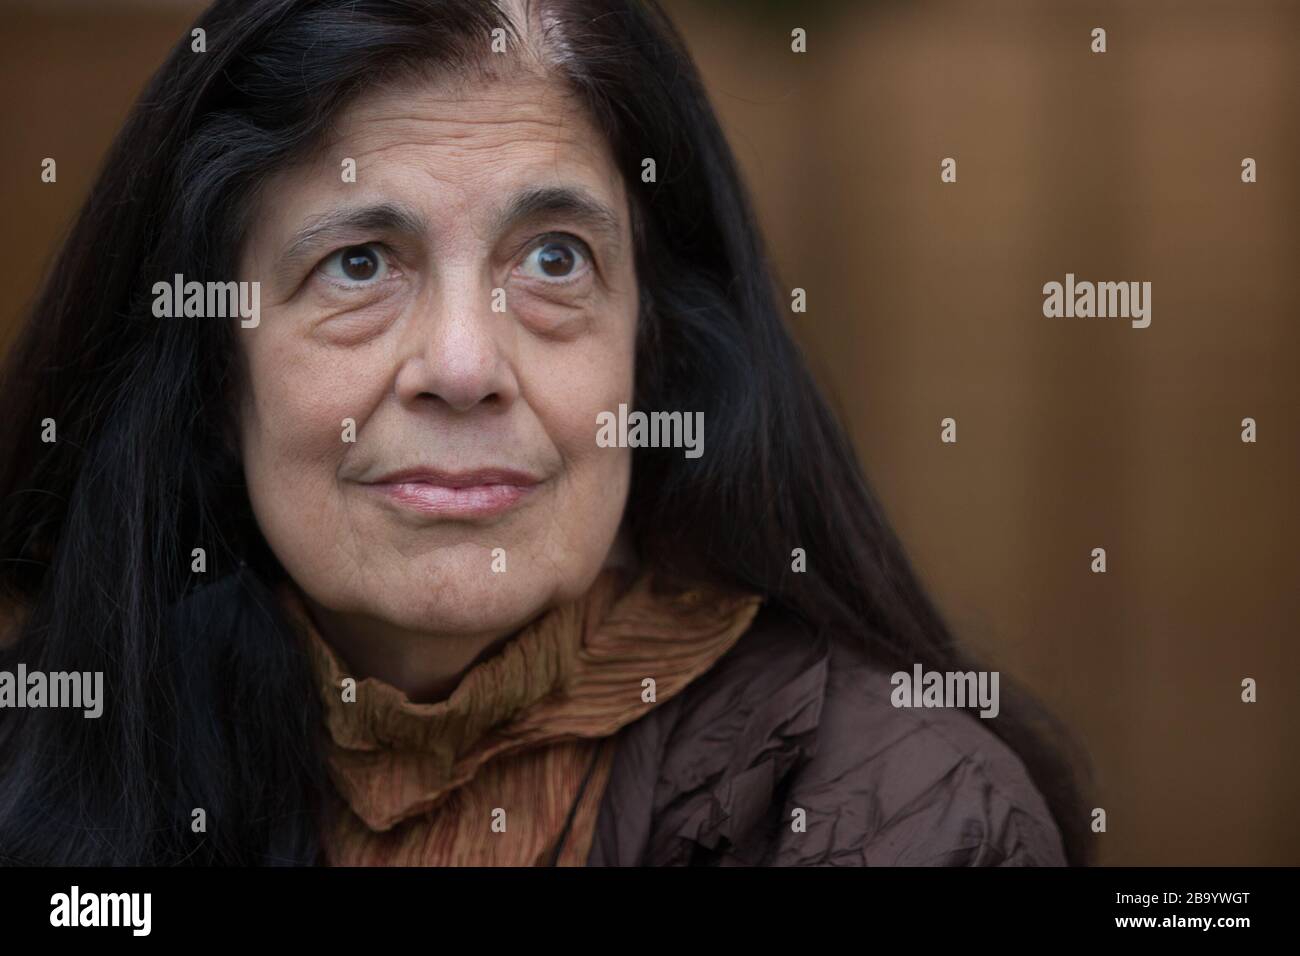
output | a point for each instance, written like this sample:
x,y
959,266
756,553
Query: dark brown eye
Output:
x,y
355,264
360,263
554,259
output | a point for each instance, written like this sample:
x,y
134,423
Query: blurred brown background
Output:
x,y
925,302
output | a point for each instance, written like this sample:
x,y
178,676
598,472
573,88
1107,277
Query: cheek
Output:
x,y
567,397
293,436
568,388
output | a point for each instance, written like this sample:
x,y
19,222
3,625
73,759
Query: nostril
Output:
x,y
493,398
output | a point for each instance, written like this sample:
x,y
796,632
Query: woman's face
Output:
x,y
469,303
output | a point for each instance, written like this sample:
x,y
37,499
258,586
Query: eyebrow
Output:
x,y
569,202
386,217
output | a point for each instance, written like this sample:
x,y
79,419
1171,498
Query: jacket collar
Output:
x,y
744,728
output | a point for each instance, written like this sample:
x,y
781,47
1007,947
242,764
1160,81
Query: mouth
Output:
x,y
465,494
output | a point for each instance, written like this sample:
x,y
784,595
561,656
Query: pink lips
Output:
x,y
466,494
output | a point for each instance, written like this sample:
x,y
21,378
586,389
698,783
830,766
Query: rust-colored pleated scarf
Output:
x,y
509,770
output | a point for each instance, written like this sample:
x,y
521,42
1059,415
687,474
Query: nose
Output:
x,y
457,350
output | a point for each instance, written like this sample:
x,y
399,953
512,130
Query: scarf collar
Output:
x,y
582,669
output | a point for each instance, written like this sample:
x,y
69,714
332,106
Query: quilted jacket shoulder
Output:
x,y
789,721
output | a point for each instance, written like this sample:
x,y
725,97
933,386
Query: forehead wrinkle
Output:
x,y
464,135
417,128
513,148
461,111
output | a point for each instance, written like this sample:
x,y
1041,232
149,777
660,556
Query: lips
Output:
x,y
464,494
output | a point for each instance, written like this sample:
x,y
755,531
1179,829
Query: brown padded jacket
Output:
x,y
789,721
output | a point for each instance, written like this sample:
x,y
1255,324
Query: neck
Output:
x,y
425,667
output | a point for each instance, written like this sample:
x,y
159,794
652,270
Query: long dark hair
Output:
x,y
209,703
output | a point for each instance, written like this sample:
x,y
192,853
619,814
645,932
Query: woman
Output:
x,y
301,453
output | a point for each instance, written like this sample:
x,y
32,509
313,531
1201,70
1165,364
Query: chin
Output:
x,y
467,602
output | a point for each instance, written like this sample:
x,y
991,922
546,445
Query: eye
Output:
x,y
356,265
556,258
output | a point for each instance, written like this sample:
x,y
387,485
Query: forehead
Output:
x,y
452,146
